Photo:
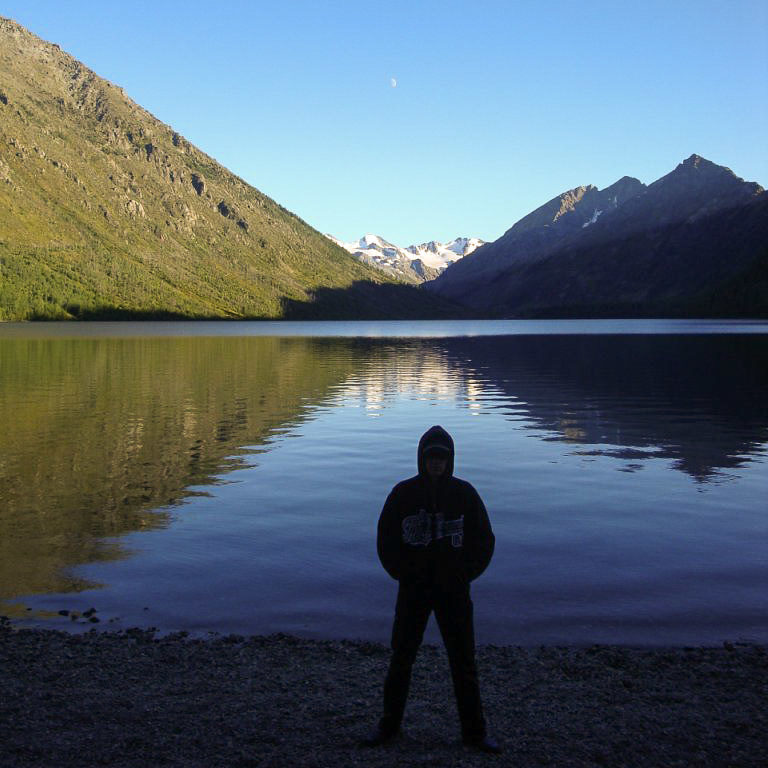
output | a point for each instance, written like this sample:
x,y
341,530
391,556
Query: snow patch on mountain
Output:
x,y
595,216
415,263
440,255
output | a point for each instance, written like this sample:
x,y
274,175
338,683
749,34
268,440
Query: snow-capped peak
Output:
x,y
440,255
434,256
373,241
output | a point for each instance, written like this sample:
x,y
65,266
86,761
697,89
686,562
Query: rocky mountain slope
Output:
x,y
695,242
107,212
415,263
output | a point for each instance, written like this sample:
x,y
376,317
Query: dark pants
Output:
x,y
453,611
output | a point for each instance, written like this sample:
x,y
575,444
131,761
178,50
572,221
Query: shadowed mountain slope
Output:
x,y
106,211
535,236
684,245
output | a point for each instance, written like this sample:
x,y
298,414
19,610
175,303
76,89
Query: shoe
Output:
x,y
485,744
377,737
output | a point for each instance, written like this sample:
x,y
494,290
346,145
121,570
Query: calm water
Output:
x,y
228,476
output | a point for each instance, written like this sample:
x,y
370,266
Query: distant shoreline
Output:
x,y
170,317
133,698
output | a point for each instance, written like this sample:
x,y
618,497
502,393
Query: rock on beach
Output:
x,y
135,698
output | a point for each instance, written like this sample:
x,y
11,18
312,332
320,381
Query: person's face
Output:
x,y
436,464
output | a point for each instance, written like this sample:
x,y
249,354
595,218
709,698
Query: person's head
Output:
x,y
435,455
436,462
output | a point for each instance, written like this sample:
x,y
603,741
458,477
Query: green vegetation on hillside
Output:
x,y
107,212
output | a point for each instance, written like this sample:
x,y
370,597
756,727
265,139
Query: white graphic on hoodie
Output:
x,y
421,529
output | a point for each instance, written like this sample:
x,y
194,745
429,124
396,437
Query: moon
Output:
x,y
393,82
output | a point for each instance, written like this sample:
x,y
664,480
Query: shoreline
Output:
x,y
134,698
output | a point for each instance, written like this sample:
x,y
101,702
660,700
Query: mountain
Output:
x,y
536,235
414,264
694,242
107,212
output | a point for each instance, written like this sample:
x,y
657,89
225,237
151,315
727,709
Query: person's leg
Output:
x,y
411,615
453,612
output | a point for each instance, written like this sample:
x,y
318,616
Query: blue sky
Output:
x,y
497,107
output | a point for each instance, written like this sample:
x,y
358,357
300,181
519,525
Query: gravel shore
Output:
x,y
136,699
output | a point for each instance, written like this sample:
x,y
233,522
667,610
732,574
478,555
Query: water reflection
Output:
x,y
699,400
102,437
412,369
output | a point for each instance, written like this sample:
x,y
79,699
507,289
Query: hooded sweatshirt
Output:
x,y
434,533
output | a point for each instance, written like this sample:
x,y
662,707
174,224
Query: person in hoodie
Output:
x,y
434,538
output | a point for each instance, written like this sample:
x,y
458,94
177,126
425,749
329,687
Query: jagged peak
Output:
x,y
12,26
696,160
553,209
697,170
625,180
699,163
573,195
370,240
702,165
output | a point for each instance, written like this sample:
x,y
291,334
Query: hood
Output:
x,y
435,435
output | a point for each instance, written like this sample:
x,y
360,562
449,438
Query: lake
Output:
x,y
228,477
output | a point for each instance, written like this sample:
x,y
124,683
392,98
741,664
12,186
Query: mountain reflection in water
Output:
x,y
264,460
700,400
102,436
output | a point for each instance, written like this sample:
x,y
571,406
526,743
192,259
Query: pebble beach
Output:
x,y
135,698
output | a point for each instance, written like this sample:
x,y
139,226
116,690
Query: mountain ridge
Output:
x,y
537,234
107,211
556,261
413,263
